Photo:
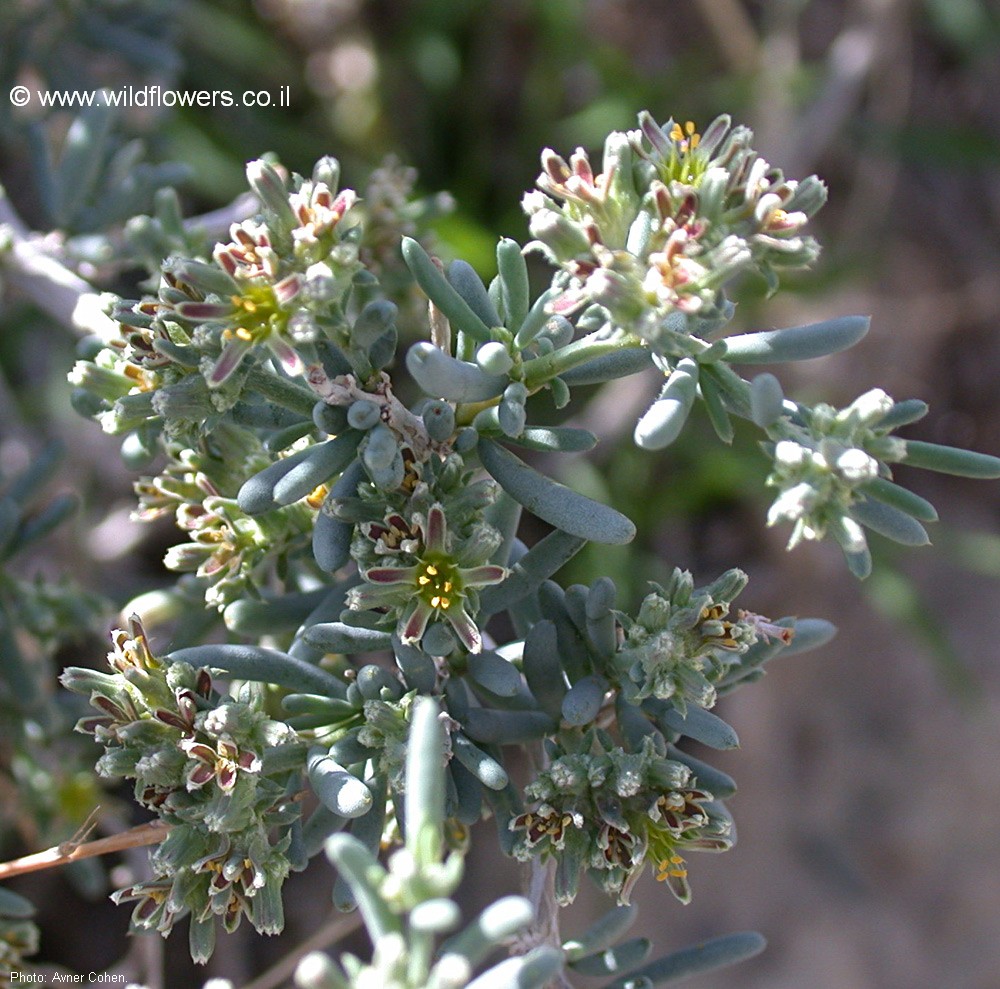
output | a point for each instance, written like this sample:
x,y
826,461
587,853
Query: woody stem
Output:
x,y
70,851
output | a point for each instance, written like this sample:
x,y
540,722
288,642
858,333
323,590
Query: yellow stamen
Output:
x,y
317,496
143,379
671,868
685,136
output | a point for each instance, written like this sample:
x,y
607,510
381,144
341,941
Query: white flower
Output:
x,y
792,504
869,408
855,466
789,454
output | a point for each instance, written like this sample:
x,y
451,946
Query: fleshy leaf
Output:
x,y
798,343
556,504
513,273
951,460
702,726
899,497
695,960
618,364
494,925
463,278
331,539
890,522
507,727
532,971
341,792
611,961
338,637
443,376
441,293
483,766
260,664
583,700
603,933
663,421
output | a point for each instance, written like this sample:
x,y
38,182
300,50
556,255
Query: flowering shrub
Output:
x,y
389,638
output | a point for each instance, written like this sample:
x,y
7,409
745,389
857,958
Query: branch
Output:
x,y
36,272
545,928
70,851
335,929
215,224
45,280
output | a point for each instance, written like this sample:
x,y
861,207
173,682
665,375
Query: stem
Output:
x,y
542,369
335,929
542,896
70,851
46,281
541,893
215,224
466,412
33,267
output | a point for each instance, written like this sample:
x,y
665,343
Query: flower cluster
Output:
x,y
219,771
683,642
423,550
286,276
228,549
205,367
407,903
211,875
436,587
822,464
607,811
390,210
672,217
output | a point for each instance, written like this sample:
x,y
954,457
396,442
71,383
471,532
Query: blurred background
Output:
x,y
869,773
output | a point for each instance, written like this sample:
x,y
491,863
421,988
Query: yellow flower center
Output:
x,y
257,314
439,584
144,380
686,136
684,165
